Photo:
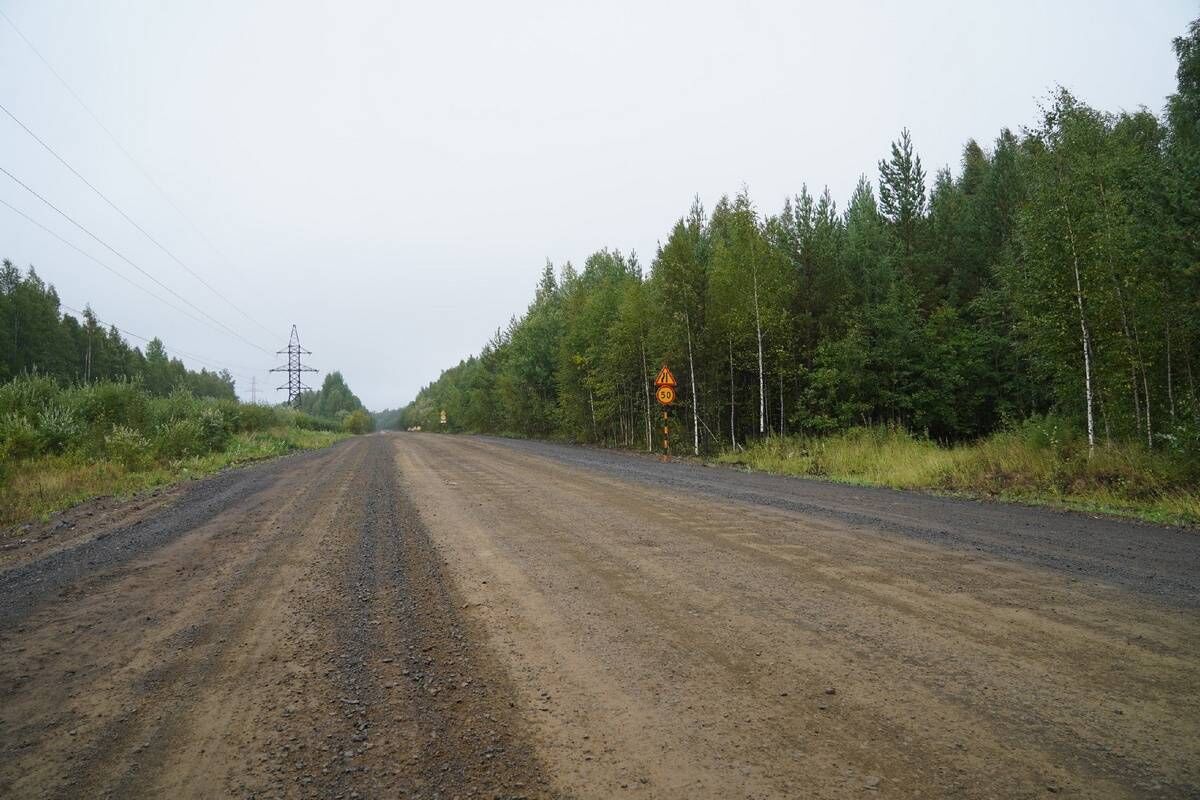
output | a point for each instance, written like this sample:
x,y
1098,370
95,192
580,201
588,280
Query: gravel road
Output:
x,y
1151,559
284,630
414,615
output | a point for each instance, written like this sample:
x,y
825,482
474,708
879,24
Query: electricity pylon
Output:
x,y
293,368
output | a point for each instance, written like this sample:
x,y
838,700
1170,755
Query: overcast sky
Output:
x,y
391,177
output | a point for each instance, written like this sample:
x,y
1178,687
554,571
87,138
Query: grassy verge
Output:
x,y
1039,463
40,486
62,444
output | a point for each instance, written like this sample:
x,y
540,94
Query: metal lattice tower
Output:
x,y
293,368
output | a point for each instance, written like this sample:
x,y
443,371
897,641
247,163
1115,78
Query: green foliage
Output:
x,y
57,428
37,338
333,401
215,429
387,419
1044,460
113,420
62,444
178,438
107,404
307,422
27,395
128,447
952,310
247,417
18,436
358,422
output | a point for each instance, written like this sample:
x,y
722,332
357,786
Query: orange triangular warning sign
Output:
x,y
665,378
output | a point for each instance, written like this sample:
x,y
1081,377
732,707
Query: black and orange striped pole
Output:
x,y
666,384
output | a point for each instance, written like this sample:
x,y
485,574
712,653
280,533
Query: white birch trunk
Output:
x,y
592,403
732,434
1146,394
1170,387
762,389
1087,343
646,386
695,401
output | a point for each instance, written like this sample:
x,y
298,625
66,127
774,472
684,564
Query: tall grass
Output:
x,y
60,445
1042,461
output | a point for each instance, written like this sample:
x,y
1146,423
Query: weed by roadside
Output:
x,y
1040,462
60,445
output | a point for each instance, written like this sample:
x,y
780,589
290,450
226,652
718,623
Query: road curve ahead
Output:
x,y
414,615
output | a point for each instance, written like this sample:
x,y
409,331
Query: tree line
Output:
x,y
37,337
335,401
1056,271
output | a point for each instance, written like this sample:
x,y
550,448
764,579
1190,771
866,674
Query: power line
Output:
x,y
132,283
91,257
166,349
129,156
127,218
124,258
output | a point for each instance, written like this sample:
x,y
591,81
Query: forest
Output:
x,y
83,413
1054,273
335,401
38,337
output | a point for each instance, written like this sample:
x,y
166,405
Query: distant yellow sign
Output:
x,y
443,416
665,395
665,378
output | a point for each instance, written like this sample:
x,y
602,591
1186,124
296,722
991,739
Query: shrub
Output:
x,y
57,428
179,405
18,437
128,447
307,422
214,433
179,438
27,395
358,422
255,418
103,405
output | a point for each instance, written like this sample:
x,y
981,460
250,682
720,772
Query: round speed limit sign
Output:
x,y
666,395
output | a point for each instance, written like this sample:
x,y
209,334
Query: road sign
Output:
x,y
665,378
666,395
443,416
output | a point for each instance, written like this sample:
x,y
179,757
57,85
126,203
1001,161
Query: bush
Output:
x,y
177,406
358,422
18,437
307,422
214,429
128,447
179,438
254,418
27,395
57,428
103,405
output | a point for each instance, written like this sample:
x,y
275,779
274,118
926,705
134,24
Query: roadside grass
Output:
x,y
1039,463
37,487
62,444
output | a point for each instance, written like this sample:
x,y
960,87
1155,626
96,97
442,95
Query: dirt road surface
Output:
x,y
417,615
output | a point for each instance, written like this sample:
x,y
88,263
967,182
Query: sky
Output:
x,y
392,177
